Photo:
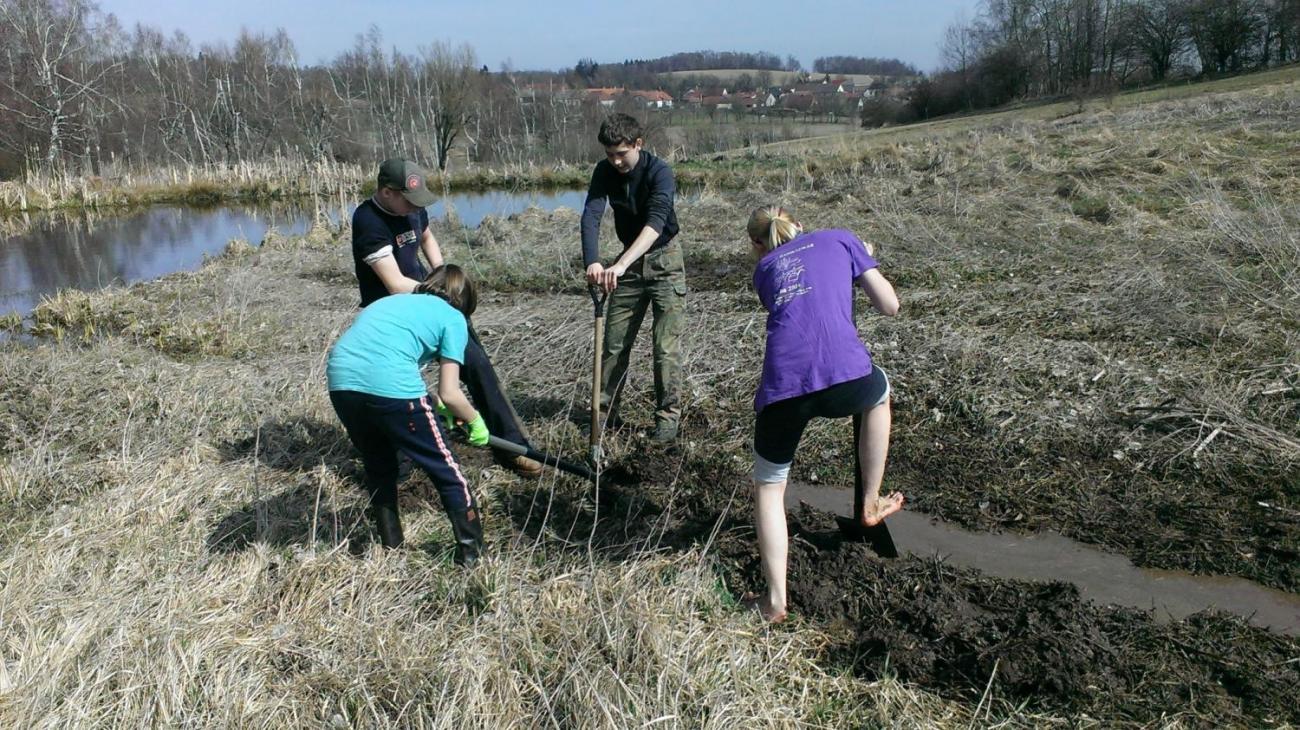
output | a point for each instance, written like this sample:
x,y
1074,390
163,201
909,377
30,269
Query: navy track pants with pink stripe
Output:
x,y
379,427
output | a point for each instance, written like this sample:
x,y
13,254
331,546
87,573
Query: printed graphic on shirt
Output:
x,y
405,238
790,277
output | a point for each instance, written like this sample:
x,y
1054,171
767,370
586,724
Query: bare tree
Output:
x,y
46,74
1222,31
1158,31
1280,26
448,79
959,53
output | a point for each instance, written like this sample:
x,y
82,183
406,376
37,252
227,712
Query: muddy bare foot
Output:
x,y
884,507
763,605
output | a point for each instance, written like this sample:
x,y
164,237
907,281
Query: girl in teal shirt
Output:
x,y
376,389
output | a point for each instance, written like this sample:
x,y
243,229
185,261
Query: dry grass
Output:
x,y
181,535
267,181
270,180
1097,321
1251,84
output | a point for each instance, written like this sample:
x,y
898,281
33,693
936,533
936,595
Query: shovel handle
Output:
x,y
554,462
598,297
598,341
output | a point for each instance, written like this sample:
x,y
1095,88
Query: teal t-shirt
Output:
x,y
382,352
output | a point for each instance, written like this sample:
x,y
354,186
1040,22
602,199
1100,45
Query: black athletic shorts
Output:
x,y
780,425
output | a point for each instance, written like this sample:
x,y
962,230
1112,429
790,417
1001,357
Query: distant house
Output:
x,y
820,88
654,99
549,91
800,101
694,96
721,102
605,96
879,87
744,100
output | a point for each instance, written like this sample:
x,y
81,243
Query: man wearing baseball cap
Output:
x,y
388,232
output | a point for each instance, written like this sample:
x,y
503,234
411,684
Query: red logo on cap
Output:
x,y
413,181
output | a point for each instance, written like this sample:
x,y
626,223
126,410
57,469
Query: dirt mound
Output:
x,y
946,629
955,630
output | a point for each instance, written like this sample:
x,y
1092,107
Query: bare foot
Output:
x,y
884,507
763,605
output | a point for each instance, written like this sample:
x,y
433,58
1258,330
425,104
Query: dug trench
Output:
x,y
956,631
1008,419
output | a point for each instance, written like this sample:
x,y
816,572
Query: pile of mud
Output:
x,y
959,632
946,629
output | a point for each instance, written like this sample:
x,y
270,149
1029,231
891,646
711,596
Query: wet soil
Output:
x,y
730,273
1190,520
957,630
951,630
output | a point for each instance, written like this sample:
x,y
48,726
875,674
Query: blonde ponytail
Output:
x,y
771,225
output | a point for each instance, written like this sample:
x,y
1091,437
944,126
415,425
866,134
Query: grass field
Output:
x,y
1099,337
1285,77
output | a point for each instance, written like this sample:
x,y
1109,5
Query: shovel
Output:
x,y
878,536
597,454
554,462
617,475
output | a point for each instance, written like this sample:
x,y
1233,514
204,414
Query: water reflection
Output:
x,y
41,254
472,208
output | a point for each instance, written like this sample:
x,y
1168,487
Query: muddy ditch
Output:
x,y
955,631
959,632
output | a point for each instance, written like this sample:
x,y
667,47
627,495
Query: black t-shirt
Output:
x,y
376,234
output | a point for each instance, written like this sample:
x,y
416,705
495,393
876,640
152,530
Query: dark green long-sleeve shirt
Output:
x,y
642,197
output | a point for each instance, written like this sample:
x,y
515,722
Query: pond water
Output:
x,y
89,250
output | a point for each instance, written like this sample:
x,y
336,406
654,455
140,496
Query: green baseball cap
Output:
x,y
409,179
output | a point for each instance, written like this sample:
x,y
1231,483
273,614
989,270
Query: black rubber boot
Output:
x,y
467,529
389,525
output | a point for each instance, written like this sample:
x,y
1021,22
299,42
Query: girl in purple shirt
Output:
x,y
814,366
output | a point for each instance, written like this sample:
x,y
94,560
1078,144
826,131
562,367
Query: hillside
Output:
x,y
1271,81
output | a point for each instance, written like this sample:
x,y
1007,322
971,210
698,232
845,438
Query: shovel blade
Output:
x,y
877,536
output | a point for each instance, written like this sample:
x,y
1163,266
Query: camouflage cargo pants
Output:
x,y
657,281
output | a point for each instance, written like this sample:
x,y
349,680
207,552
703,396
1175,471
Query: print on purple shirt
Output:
x,y
812,339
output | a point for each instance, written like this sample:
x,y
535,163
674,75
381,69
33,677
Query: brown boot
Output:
x,y
526,467
521,465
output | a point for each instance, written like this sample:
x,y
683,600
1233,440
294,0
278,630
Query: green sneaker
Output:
x,y
665,432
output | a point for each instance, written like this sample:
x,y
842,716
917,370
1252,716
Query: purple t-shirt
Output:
x,y
812,340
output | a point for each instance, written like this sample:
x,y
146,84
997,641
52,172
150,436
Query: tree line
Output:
x,y
703,60
81,95
1030,49
860,65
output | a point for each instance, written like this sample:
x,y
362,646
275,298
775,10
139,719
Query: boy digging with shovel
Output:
x,y
650,273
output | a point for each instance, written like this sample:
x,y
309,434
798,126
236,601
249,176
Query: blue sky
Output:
x,y
536,34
